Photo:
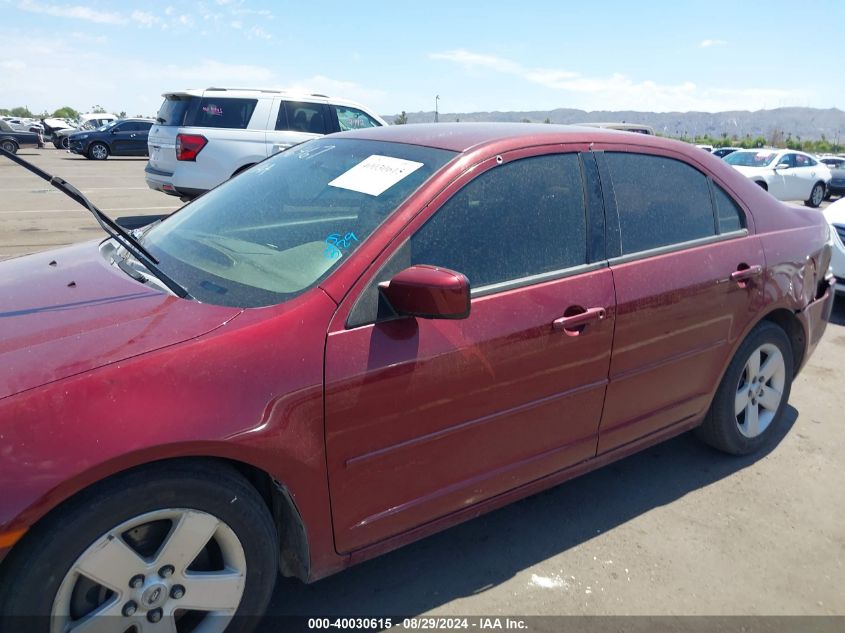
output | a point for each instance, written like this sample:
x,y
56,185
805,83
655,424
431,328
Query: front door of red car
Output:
x,y
427,417
687,277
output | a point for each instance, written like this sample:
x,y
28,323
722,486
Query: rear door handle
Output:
x,y
582,318
745,274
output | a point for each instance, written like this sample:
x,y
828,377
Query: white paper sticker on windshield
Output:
x,y
375,175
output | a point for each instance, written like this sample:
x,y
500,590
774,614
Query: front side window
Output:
x,y
281,227
661,201
517,220
353,118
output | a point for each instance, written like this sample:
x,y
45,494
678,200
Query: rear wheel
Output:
x,y
9,146
65,142
98,151
749,404
158,549
816,195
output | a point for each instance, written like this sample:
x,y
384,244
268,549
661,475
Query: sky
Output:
x,y
465,56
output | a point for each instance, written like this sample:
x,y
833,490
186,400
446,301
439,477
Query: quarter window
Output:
x,y
731,217
517,220
660,201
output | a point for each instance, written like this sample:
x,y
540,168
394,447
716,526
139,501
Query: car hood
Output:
x,y
67,311
835,213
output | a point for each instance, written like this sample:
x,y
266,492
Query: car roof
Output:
x,y
258,92
460,137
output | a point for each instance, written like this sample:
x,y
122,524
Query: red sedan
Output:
x,y
371,337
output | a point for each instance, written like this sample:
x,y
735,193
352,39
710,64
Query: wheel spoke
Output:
x,y
741,400
189,535
166,625
770,398
752,367
103,620
773,363
111,563
752,420
215,591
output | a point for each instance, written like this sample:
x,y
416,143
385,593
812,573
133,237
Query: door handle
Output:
x,y
744,274
582,318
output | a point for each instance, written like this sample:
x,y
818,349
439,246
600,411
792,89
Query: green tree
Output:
x,y
97,109
66,112
21,111
548,120
402,119
122,114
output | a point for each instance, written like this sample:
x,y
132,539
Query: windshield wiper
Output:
x,y
122,237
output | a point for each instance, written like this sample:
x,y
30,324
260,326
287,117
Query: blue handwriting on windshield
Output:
x,y
335,242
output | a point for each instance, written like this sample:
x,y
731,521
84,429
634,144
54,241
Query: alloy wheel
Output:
x,y
150,572
759,392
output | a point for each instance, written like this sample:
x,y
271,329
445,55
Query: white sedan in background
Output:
x,y
835,215
784,173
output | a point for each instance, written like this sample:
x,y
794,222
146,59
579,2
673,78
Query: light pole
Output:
x,y
436,117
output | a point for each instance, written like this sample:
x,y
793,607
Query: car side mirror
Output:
x,y
428,292
782,166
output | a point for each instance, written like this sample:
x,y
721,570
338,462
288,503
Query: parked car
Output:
x,y
52,125
12,140
204,137
721,152
371,337
786,174
124,137
835,215
706,148
836,165
85,123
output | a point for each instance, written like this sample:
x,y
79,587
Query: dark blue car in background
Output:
x,y
124,137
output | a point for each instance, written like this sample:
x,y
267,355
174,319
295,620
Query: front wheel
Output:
x,y
165,549
65,142
816,195
749,404
9,146
98,151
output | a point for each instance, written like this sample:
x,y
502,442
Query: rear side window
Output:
x,y
521,219
731,217
661,201
300,116
353,118
221,113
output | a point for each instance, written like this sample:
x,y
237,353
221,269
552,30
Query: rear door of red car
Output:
x,y
688,283
428,417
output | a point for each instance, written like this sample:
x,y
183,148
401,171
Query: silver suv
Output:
x,y
204,137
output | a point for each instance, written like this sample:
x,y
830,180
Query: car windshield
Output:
x,y
282,226
762,158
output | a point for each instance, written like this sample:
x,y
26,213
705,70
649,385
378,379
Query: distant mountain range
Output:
x,y
806,123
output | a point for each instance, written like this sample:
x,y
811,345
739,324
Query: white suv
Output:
x,y
204,137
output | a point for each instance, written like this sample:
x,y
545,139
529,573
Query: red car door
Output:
x,y
687,278
426,417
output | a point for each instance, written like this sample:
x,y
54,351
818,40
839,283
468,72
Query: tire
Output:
x,y
10,146
65,142
98,151
140,532
742,387
762,185
816,195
